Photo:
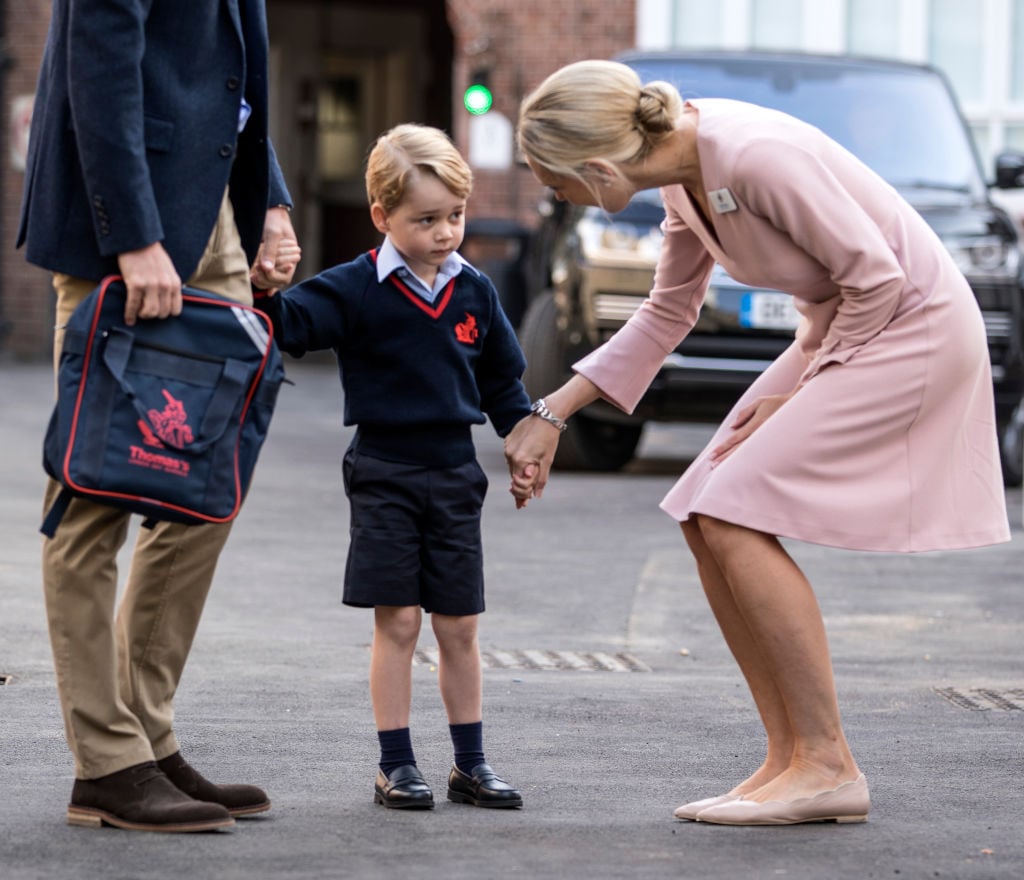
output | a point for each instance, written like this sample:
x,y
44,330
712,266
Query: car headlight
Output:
x,y
604,242
990,255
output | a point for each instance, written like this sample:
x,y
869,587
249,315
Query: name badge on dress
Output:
x,y
722,200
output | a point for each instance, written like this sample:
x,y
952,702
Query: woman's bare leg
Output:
x,y
752,664
774,601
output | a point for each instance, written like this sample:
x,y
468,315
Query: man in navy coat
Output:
x,y
149,158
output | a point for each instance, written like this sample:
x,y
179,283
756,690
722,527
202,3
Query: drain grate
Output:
x,y
982,699
5,678
568,661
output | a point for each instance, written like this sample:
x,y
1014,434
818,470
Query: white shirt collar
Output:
x,y
390,260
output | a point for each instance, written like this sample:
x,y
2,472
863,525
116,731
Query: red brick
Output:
x,y
521,41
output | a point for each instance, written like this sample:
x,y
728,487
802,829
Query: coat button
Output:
x,y
226,150
233,83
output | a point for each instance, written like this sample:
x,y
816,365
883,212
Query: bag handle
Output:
x,y
231,385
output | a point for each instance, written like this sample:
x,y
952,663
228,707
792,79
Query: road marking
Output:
x,y
544,661
983,699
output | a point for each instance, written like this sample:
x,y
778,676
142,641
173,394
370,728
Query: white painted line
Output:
x,y
573,660
505,659
539,659
607,661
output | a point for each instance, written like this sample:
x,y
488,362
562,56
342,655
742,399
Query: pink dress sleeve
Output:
x,y
825,219
626,364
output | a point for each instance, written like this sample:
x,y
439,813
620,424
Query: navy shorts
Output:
x,y
415,535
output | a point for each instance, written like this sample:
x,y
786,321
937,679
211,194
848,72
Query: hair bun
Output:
x,y
658,108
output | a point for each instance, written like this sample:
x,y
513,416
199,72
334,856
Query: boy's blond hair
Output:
x,y
408,148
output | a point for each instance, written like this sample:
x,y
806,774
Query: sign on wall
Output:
x,y
20,123
490,141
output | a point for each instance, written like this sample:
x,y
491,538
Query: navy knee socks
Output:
x,y
468,740
395,749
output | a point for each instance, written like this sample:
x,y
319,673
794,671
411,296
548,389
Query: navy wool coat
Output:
x,y
135,132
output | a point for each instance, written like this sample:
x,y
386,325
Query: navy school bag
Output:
x,y
165,418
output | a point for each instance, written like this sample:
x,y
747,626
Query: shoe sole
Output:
x,y
458,797
402,805
242,812
838,820
85,817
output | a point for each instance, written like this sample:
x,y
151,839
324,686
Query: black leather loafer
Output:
x,y
482,788
403,789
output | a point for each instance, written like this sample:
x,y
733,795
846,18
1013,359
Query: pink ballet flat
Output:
x,y
848,802
689,811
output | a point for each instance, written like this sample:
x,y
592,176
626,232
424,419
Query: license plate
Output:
x,y
768,311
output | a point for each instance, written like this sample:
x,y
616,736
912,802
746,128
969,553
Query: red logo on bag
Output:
x,y
148,437
171,424
166,463
467,331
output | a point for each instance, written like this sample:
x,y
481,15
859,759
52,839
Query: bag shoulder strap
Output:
x,y
56,513
60,506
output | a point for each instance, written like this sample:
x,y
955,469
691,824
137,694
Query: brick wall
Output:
x,y
26,298
521,42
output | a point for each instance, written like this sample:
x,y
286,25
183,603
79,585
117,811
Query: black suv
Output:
x,y
587,271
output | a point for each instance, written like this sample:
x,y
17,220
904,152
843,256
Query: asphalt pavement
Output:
x,y
609,696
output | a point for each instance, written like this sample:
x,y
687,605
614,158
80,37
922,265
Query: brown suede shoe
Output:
x,y
141,798
239,800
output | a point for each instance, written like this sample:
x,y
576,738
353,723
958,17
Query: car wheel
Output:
x,y
588,444
1011,447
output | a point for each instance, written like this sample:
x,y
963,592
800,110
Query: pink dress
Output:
x,y
890,442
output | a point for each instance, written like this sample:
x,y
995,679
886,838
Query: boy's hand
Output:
x,y
522,485
266,274
279,252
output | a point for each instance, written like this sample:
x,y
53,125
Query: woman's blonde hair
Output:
x,y
595,110
409,148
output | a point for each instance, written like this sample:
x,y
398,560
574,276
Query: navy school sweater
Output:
x,y
416,376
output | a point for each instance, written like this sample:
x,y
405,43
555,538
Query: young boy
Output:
x,y
424,352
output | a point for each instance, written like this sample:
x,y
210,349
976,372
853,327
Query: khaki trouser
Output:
x,y
118,667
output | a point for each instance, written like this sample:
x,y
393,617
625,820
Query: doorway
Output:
x,y
343,73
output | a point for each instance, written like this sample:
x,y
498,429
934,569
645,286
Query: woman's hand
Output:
x,y
530,446
529,451
748,420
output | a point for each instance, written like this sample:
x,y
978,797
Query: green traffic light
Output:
x,y
478,99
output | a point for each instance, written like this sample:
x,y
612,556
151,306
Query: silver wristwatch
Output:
x,y
540,409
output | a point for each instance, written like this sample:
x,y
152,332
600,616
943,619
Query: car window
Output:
x,y
903,123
